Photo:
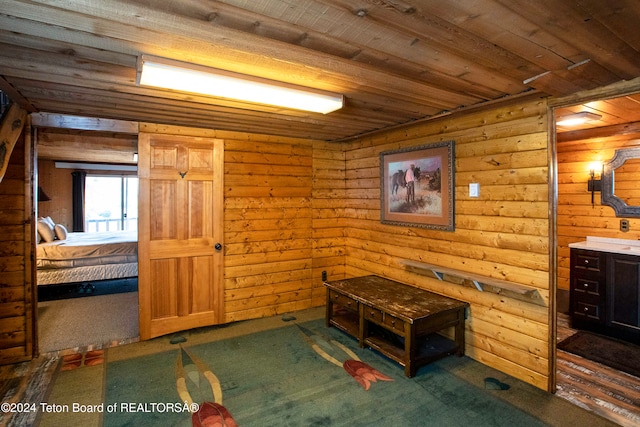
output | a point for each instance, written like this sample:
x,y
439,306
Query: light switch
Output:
x,y
474,189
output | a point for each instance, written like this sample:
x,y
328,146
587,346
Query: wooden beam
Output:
x,y
10,130
15,96
63,121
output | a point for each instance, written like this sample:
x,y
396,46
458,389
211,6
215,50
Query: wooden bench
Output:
x,y
398,320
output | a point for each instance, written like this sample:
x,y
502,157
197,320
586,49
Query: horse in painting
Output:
x,y
397,180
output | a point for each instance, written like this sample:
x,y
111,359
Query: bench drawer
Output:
x,y
394,323
374,314
343,300
390,322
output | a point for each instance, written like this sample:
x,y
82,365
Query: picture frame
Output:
x,y
431,201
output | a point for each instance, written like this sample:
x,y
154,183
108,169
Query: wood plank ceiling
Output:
x,y
395,61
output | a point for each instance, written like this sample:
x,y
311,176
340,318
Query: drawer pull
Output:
x,y
586,309
586,261
586,285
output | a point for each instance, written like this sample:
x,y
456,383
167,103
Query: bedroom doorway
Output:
x,y
106,151
88,297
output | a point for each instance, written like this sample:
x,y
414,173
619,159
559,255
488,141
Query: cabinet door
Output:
x,y
624,291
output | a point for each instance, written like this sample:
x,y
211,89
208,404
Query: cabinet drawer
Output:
x,y
586,260
586,286
343,300
591,311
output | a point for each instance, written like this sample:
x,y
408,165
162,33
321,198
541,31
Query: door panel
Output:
x,y
180,271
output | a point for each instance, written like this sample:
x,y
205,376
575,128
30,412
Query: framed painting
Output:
x,y
417,186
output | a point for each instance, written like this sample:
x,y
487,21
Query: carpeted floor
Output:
x,y
617,354
90,321
273,372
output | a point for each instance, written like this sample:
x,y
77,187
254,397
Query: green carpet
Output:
x,y
276,378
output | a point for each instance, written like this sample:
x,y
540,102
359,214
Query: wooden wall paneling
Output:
x,y
502,234
328,216
17,333
270,248
268,223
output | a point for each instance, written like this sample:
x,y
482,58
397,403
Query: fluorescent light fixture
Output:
x,y
185,77
576,119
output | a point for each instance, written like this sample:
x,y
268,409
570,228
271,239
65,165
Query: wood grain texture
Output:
x,y
480,243
17,339
181,221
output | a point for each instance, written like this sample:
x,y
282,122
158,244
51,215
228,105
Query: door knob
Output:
x,y
218,246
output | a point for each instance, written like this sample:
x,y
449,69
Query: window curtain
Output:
x,y
78,200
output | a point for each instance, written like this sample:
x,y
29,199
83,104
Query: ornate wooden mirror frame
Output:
x,y
607,195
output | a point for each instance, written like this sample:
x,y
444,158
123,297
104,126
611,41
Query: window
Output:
x,y
5,103
111,203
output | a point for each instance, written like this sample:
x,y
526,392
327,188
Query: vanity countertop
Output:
x,y
605,244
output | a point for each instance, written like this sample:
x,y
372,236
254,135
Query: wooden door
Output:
x,y
180,277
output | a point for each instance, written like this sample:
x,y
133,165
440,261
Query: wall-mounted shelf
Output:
x,y
481,283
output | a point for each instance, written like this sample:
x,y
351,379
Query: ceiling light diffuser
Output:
x,y
576,119
185,77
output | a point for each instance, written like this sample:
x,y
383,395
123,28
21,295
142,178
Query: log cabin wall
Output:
x,y
503,234
268,226
577,218
329,218
16,240
283,220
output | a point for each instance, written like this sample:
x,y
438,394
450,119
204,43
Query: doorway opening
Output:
x,y
587,135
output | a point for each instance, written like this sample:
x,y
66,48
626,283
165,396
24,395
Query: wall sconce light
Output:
x,y
186,77
595,181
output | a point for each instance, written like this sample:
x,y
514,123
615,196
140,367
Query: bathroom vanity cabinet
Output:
x,y
605,287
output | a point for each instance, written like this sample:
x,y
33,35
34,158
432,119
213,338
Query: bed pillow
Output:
x,y
46,231
49,221
60,231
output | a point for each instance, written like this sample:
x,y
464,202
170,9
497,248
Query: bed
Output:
x,y
87,257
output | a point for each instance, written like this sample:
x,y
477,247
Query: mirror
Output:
x,y
620,178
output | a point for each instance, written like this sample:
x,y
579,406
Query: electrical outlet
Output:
x,y
324,276
624,225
